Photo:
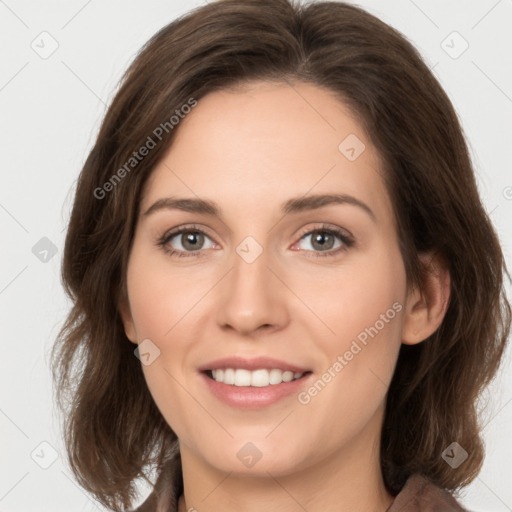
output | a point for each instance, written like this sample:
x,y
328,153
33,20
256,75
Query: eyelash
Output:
x,y
346,240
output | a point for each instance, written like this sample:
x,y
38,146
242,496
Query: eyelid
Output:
x,y
325,226
185,227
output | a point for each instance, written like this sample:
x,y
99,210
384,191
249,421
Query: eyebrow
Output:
x,y
294,205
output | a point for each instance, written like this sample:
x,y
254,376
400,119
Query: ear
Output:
x,y
127,319
426,306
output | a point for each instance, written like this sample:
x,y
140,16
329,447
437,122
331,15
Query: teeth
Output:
x,y
256,378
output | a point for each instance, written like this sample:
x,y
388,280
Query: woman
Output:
x,y
287,293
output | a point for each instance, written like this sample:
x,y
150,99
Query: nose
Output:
x,y
252,298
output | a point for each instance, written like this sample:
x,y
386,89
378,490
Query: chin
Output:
x,y
255,458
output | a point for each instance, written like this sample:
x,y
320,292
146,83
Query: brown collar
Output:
x,y
421,495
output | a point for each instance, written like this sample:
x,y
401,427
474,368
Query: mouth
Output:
x,y
259,378
253,383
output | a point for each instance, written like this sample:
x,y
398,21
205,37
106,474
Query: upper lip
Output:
x,y
251,364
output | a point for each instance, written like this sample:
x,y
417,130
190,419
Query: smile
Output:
x,y
258,378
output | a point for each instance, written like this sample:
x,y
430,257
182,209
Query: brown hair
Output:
x,y
113,430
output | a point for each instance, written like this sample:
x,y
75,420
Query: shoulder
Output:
x,y
419,494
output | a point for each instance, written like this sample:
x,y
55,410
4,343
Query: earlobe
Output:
x,y
426,307
127,319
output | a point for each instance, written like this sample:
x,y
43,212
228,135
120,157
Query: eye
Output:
x,y
189,239
326,240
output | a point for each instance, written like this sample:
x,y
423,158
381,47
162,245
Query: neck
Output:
x,y
349,479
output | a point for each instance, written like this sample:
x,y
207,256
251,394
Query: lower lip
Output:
x,y
248,397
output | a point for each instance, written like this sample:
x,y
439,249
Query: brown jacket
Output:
x,y
418,494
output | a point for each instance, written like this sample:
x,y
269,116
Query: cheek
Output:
x,y
162,303
160,295
354,296
363,309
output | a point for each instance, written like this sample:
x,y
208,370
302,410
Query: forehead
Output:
x,y
261,143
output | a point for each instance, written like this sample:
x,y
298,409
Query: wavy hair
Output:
x,y
114,432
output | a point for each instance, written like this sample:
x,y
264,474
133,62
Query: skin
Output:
x,y
250,150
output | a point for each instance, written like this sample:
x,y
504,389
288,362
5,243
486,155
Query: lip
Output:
x,y
248,397
255,363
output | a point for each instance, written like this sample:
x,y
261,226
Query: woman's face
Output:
x,y
292,269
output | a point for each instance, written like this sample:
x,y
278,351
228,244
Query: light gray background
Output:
x,y
51,109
